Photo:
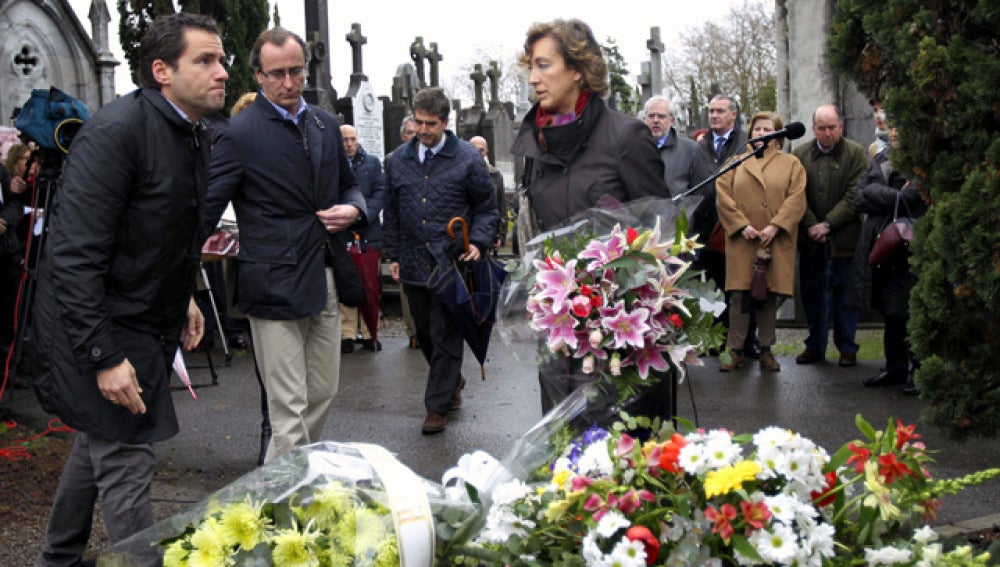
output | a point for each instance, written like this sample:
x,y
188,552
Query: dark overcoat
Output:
x,y
119,265
278,175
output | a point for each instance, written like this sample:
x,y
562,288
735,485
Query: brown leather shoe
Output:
x,y
433,423
768,362
809,356
848,359
735,362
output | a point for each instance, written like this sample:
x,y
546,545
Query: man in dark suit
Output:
x,y
724,140
282,163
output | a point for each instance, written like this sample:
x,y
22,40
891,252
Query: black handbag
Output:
x,y
345,273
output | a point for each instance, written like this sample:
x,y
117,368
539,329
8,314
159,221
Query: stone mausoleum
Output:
x,y
43,44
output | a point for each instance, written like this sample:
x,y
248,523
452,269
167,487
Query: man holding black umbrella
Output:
x,y
432,179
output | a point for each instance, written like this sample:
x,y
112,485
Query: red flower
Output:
x,y
826,496
892,469
581,306
630,235
649,542
722,520
596,300
676,320
586,290
859,458
757,514
670,454
904,433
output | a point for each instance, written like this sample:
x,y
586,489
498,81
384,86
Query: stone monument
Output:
x,y
360,108
468,124
404,86
433,58
417,54
497,128
43,44
319,88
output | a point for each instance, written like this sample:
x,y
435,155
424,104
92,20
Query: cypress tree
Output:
x,y
936,66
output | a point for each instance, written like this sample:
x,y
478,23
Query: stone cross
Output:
x,y
434,57
356,40
644,81
655,47
25,60
478,78
417,53
319,90
494,75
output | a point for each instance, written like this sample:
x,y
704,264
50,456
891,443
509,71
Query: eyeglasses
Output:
x,y
654,116
279,74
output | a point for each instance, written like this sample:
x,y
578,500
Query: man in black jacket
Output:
x,y
282,163
114,296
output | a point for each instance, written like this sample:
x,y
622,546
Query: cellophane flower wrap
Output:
x,y
691,497
325,504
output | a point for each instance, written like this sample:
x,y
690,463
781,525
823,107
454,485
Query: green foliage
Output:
x,y
240,21
936,66
622,93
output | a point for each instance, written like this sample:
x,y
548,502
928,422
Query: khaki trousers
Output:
x,y
739,320
299,361
350,323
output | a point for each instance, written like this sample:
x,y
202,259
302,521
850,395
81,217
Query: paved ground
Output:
x,y
380,402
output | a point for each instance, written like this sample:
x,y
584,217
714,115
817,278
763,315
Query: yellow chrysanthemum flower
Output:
x,y
557,509
560,478
293,548
371,529
388,553
728,479
209,548
329,504
176,555
242,525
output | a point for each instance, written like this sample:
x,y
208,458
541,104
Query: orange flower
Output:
x,y
649,542
670,454
891,468
826,496
904,433
756,514
722,520
859,458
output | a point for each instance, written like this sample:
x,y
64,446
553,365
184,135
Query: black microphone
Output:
x,y
793,131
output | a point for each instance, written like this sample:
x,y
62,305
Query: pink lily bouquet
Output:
x,y
714,498
618,303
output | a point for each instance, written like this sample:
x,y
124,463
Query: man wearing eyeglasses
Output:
x,y
282,164
681,167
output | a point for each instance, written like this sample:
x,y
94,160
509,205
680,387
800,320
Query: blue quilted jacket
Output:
x,y
419,205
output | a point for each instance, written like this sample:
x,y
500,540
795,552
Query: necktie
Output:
x,y
719,142
427,160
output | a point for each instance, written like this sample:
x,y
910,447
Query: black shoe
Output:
x,y
809,356
371,344
346,346
237,342
885,378
910,389
751,349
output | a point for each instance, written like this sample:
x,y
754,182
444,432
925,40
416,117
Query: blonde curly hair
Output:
x,y
575,42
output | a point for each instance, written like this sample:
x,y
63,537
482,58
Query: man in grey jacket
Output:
x,y
681,167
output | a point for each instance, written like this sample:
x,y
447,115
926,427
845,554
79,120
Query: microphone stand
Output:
x,y
733,164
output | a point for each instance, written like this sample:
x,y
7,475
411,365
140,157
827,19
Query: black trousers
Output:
x,y
441,344
896,344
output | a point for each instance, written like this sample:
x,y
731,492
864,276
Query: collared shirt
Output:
x,y
180,112
725,138
663,140
825,150
284,113
422,149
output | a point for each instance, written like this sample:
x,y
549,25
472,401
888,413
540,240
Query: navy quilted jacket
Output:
x,y
419,206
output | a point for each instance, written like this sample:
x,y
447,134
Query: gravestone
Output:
x,y
360,108
319,87
655,47
497,127
417,54
433,58
404,86
645,86
469,118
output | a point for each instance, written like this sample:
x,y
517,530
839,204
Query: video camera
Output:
x,y
50,119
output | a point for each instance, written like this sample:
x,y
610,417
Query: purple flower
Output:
x,y
557,325
603,252
649,357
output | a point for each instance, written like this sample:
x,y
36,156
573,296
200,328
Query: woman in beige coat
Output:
x,y
760,204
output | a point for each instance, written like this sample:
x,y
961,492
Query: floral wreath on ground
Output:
x,y
714,498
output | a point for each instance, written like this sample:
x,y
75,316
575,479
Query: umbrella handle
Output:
x,y
465,230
